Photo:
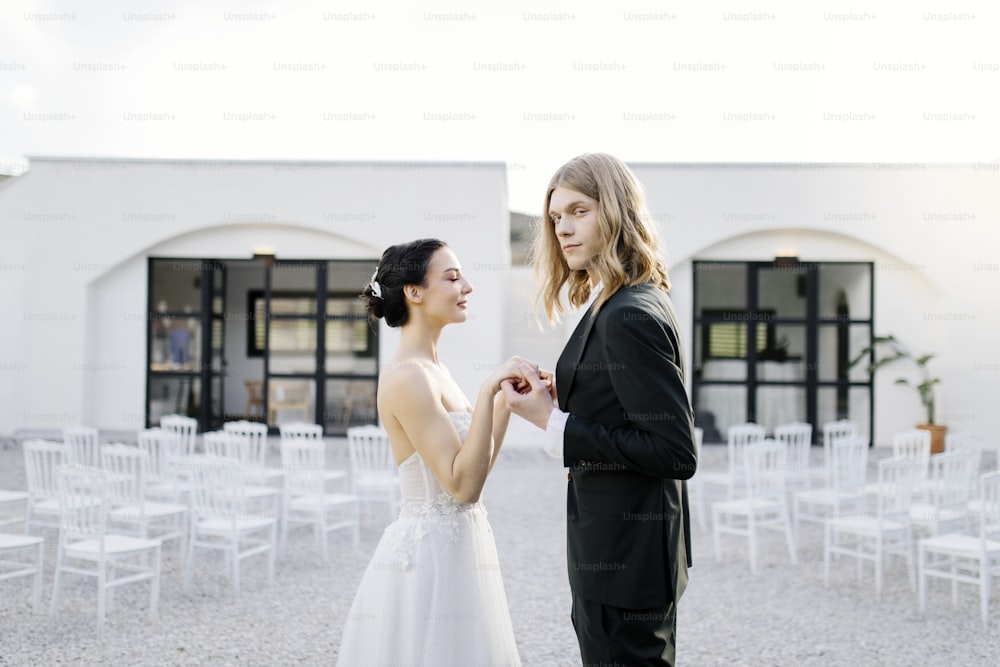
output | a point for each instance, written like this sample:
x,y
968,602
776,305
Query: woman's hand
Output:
x,y
513,370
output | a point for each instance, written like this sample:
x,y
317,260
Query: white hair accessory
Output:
x,y
375,287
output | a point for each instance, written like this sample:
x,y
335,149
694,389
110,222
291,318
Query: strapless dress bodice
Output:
x,y
421,492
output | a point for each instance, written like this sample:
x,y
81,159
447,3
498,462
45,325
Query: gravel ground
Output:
x,y
782,616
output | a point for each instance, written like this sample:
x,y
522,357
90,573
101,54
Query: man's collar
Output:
x,y
594,293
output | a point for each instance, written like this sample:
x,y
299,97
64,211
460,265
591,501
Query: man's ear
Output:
x,y
413,293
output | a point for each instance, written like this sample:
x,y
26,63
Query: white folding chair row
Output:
x,y
975,506
84,536
127,469
221,444
795,436
10,569
886,532
963,558
733,477
765,504
239,449
186,429
832,431
307,499
83,447
14,498
967,441
374,474
300,431
314,433
162,449
847,468
797,439
42,458
944,504
916,446
223,518
251,450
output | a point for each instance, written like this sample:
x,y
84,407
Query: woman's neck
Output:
x,y
419,340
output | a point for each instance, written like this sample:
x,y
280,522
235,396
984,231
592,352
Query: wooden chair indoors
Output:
x,y
255,399
289,400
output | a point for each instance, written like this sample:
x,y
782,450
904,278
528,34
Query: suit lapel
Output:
x,y
569,360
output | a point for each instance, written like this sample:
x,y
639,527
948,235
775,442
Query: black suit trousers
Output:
x,y
615,637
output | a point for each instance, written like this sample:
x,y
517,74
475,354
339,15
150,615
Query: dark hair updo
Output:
x,y
403,264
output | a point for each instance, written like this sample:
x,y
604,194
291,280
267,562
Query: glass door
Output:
x,y
185,352
302,350
174,349
214,372
780,364
292,342
772,341
351,367
844,327
722,340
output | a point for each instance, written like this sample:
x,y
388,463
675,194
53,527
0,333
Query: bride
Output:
x,y
432,593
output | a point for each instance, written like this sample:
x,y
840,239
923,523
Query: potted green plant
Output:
x,y
896,351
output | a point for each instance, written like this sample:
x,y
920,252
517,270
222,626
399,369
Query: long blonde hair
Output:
x,y
630,242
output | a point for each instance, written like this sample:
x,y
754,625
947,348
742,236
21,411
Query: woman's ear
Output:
x,y
413,293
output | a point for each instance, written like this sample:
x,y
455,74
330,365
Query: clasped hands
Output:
x,y
528,391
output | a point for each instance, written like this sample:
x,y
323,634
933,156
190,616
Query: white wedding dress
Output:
x,y
432,594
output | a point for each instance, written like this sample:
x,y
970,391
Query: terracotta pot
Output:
x,y
937,436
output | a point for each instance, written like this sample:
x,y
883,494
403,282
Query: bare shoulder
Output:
x,y
410,405
404,372
405,386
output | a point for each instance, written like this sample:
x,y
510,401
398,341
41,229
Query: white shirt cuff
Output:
x,y
553,443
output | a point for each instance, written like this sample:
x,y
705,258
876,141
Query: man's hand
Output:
x,y
510,370
533,397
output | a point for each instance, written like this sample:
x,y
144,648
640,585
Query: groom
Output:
x,y
617,414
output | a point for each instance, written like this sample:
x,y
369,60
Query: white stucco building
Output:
x,y
130,289
931,233
104,262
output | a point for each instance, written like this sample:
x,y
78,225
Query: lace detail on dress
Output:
x,y
444,512
463,421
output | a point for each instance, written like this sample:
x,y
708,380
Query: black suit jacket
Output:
x,y
629,444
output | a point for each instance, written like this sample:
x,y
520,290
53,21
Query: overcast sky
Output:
x,y
527,83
